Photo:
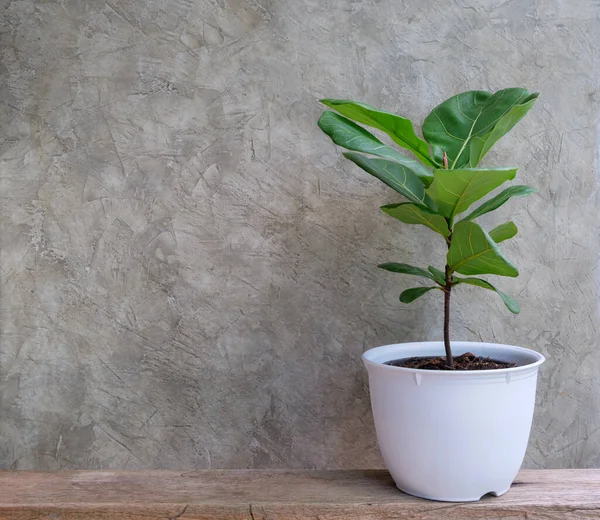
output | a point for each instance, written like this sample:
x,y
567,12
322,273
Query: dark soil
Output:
x,y
467,361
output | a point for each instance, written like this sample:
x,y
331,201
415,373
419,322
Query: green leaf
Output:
x,y
399,128
406,269
454,125
474,252
348,134
511,304
498,200
396,176
503,232
409,213
440,276
455,190
411,295
481,145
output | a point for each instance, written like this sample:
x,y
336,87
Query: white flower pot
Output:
x,y
453,435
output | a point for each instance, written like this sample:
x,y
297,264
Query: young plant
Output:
x,y
442,182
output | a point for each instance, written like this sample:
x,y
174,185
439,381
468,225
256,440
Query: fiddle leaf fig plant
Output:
x,y
442,182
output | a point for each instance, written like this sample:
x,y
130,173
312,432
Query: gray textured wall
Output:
x,y
188,266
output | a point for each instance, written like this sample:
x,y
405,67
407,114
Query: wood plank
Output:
x,y
280,495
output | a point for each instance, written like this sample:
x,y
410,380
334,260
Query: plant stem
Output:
x,y
447,292
448,286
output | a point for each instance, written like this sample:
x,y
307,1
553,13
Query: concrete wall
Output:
x,y
188,266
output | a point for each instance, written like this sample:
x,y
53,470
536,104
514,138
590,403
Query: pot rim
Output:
x,y
456,373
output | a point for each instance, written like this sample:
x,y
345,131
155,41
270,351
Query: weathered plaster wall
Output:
x,y
188,270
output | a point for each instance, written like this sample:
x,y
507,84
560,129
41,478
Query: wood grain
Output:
x,y
280,495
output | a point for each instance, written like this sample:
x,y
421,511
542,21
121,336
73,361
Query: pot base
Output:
x,y
446,499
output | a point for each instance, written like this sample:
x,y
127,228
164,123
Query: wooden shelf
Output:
x,y
280,495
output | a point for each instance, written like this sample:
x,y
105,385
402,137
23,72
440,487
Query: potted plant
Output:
x,y
452,418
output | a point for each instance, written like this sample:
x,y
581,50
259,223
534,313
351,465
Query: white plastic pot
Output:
x,y
453,435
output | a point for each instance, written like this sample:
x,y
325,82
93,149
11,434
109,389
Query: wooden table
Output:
x,y
280,495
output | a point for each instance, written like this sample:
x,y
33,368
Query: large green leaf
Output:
x,y
348,134
503,232
411,295
407,269
396,176
399,128
454,125
455,190
409,213
474,252
511,304
481,145
498,200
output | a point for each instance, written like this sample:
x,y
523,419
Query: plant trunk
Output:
x,y
447,292
448,288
